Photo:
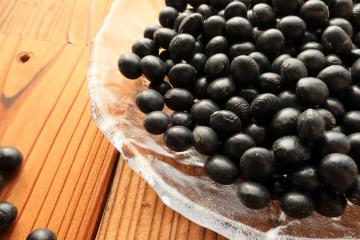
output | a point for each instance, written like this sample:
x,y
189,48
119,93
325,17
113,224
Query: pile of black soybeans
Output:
x,y
267,89
10,161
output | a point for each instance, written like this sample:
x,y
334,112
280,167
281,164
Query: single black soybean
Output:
x,y
254,195
41,234
221,169
178,138
202,110
156,122
182,119
206,140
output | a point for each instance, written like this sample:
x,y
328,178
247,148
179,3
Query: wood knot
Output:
x,y
24,57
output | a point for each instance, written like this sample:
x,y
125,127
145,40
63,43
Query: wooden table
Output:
x,y
71,180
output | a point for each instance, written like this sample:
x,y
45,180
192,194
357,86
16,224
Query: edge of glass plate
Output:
x,y
196,213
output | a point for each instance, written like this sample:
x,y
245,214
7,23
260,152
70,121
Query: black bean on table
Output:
x,y
202,110
153,68
311,91
182,119
244,48
178,138
192,24
167,16
225,122
334,142
290,152
306,178
179,5
198,62
156,122
336,40
199,89
239,28
343,23
214,26
264,106
315,14
297,205
311,126
10,159
329,203
276,64
312,45
270,82
271,42
284,122
206,140
182,46
163,37
333,59
244,70
221,89
221,169
41,234
292,70
264,15
338,171
178,99
284,7
254,195
149,100
129,65
257,163
351,121
8,214
330,120
182,75
217,66
341,9
258,133
355,146
236,145
353,194
261,60
218,44
144,47
235,9
314,61
205,10
292,27
150,30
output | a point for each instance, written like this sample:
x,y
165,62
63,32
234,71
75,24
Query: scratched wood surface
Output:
x,y
45,112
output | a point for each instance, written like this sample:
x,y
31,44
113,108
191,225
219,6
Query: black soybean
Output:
x,y
329,118
244,48
351,121
145,47
235,9
276,64
292,70
265,106
202,110
315,13
129,65
182,119
311,91
336,40
236,145
221,169
329,203
221,89
264,15
156,122
292,27
149,100
10,159
153,68
163,37
257,163
254,195
240,107
297,205
182,75
314,61
218,44
355,145
225,122
244,70
214,26
198,62
311,126
284,122
306,178
270,82
192,24
336,77
167,17
270,42
334,142
262,61
178,138
206,140
182,46
338,171
41,234
8,214
178,99
179,5
217,66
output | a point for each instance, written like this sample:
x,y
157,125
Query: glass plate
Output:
x,y
178,178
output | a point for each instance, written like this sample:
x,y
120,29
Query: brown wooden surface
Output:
x,y
45,112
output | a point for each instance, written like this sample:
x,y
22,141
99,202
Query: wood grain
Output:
x,y
45,113
133,211
72,21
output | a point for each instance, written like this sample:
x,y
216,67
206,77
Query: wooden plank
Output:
x,y
133,211
72,21
45,113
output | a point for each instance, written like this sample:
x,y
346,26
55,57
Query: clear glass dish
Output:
x,y
178,178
